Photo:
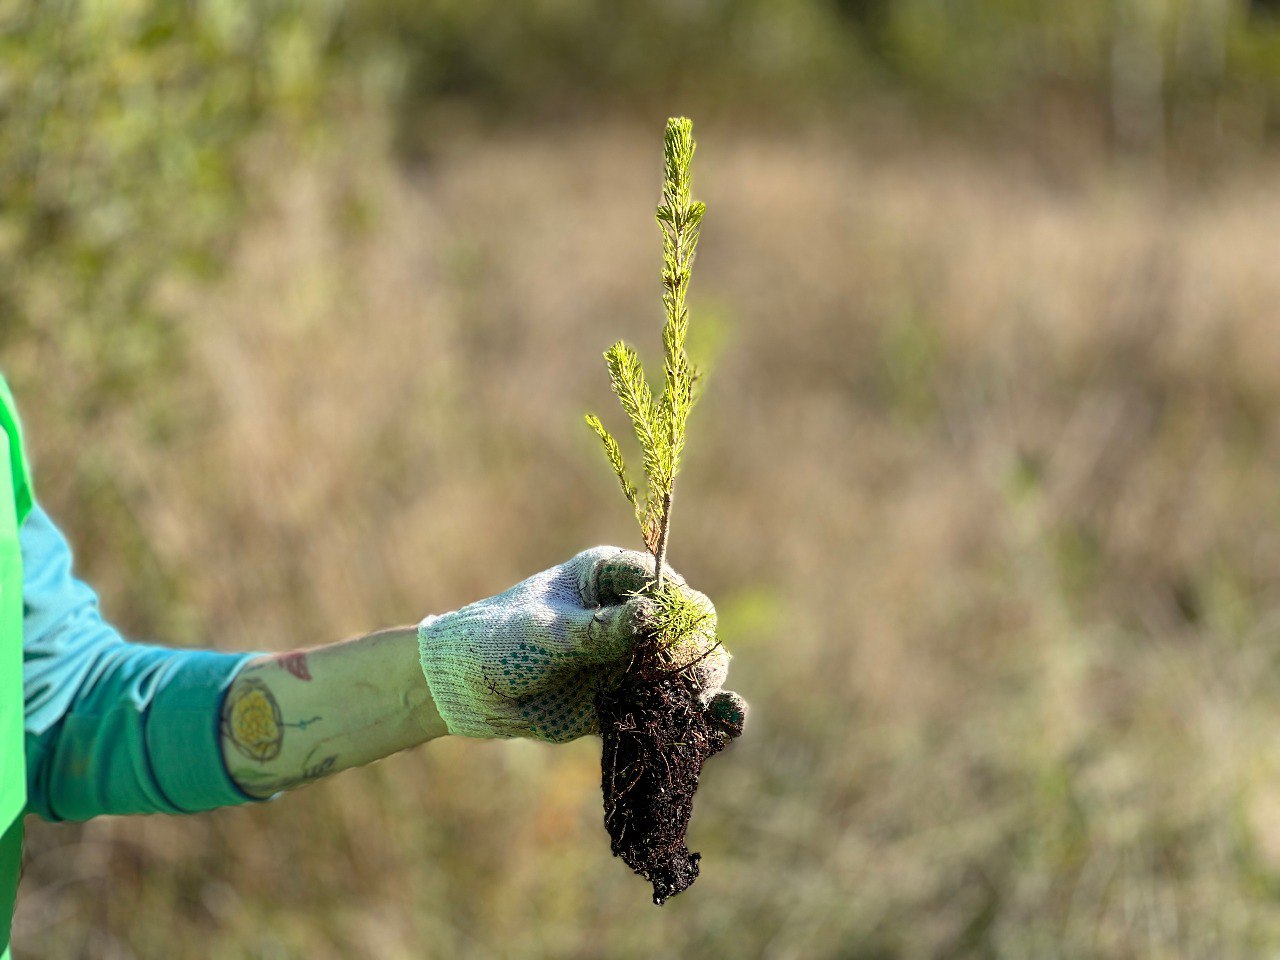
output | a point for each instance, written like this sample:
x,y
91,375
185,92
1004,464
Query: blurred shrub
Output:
x,y
121,134
1154,71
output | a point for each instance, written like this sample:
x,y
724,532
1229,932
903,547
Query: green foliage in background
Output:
x,y
122,135
534,61
133,135
124,126
1201,73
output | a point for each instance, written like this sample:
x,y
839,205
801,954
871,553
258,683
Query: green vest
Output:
x,y
15,503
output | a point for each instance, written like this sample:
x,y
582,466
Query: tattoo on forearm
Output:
x,y
294,717
251,720
295,663
317,770
265,783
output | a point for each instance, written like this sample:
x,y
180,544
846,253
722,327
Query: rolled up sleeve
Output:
x,y
112,726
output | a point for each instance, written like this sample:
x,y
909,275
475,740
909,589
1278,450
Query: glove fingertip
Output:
x,y
728,711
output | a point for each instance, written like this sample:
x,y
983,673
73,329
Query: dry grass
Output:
x,y
985,487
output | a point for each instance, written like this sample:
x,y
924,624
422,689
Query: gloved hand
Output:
x,y
527,662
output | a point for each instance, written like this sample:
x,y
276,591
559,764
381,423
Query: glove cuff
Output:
x,y
444,656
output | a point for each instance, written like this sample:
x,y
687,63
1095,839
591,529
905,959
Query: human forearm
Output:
x,y
292,718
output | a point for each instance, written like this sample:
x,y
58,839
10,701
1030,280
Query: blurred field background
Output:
x,y
303,302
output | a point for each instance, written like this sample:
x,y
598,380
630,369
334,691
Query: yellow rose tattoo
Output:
x,y
251,721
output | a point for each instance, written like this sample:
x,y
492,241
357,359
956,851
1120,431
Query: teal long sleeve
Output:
x,y
112,726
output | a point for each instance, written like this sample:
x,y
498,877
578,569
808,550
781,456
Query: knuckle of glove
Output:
x,y
608,575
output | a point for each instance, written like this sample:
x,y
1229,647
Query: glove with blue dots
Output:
x,y
527,662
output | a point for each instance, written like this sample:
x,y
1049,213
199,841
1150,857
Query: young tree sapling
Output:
x,y
655,731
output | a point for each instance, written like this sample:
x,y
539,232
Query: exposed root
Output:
x,y
656,738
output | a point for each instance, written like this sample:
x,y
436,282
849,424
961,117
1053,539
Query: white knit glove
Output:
x,y
527,662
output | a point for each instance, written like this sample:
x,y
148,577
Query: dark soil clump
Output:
x,y
656,738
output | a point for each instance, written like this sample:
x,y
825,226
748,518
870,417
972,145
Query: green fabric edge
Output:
x,y
18,465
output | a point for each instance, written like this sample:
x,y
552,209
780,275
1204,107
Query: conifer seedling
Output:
x,y
656,736
659,423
